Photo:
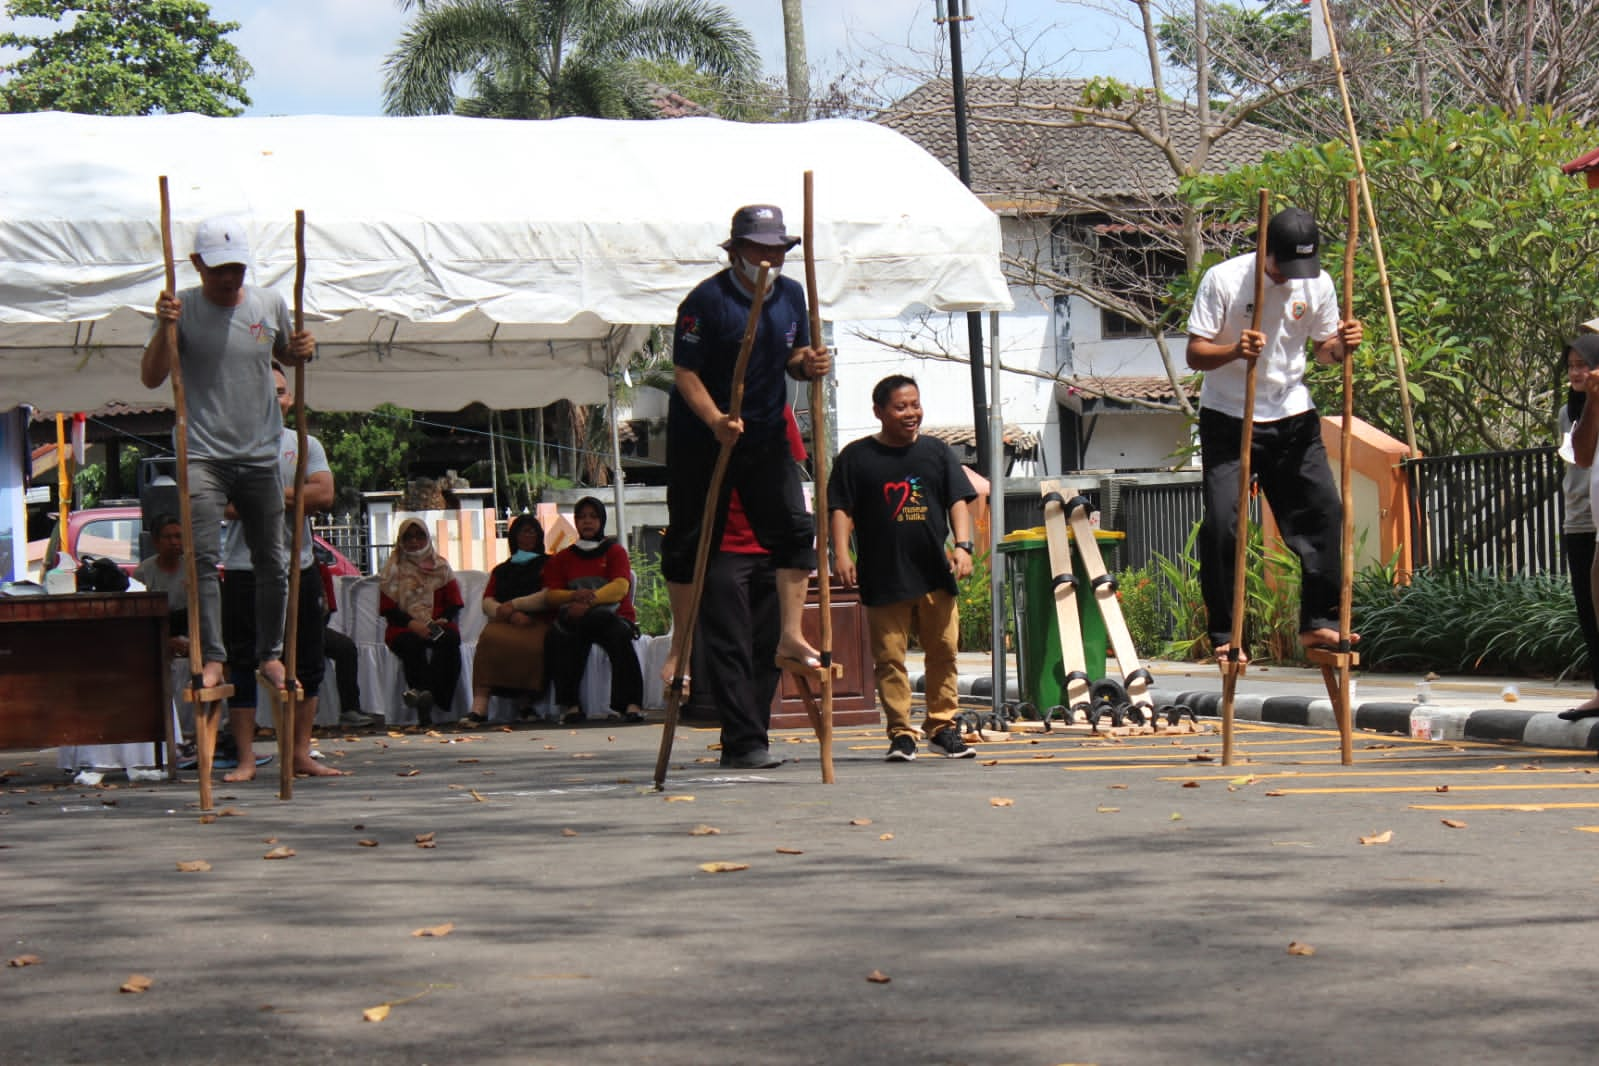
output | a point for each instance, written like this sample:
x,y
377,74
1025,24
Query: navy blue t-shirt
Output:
x,y
710,328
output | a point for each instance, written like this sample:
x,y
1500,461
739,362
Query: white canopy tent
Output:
x,y
452,260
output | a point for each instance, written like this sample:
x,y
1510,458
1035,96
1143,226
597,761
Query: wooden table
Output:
x,y
87,668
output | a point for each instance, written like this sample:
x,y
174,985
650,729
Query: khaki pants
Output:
x,y
937,625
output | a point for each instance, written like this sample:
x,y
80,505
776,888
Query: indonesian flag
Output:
x,y
1320,37
79,420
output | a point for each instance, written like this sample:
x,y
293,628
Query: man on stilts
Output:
x,y
710,326
1300,307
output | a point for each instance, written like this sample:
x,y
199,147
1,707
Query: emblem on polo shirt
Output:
x,y
1297,309
688,328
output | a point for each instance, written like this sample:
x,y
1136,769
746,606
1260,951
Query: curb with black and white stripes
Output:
x,y
1543,729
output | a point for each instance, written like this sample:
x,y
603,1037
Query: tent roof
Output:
x,y
452,260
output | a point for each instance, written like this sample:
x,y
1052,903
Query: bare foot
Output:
x,y
1224,653
211,675
245,771
272,673
305,766
1324,638
798,650
669,674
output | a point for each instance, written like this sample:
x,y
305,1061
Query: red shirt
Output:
x,y
609,563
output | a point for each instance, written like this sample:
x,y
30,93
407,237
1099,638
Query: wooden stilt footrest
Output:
x,y
1328,658
1228,667
206,695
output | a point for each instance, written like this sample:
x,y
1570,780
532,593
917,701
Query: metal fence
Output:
x,y
1496,512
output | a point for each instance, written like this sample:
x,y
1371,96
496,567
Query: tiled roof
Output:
x,y
1154,389
110,410
1018,440
1013,153
670,104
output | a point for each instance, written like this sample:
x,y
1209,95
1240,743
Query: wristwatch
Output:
x,y
965,546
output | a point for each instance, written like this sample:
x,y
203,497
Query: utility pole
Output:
x,y
963,164
799,75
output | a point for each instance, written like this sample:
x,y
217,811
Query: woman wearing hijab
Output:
x,y
510,650
421,600
1580,359
592,583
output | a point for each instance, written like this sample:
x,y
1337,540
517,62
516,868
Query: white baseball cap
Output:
x,y
222,240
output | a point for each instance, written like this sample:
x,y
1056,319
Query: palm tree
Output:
x,y
550,58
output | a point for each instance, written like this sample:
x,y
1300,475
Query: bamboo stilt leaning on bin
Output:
x,y
288,703
822,719
207,701
1233,666
714,507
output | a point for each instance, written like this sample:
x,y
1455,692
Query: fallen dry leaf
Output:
x,y
878,977
704,831
455,788
269,840
1122,788
989,762
193,866
550,747
1378,838
723,867
24,960
135,984
1202,758
230,812
1001,801
1452,824
367,843
860,821
1296,948
1175,817
679,799
1108,810
1190,784
282,851
425,838
789,851
886,836
1043,755
375,1014
569,832
466,760
1440,788
478,796
408,773
435,930
582,755
1274,792
1249,780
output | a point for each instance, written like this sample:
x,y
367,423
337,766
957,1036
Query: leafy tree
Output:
x,y
124,57
1490,252
368,451
550,58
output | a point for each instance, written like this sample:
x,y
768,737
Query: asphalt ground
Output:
x,y
1061,898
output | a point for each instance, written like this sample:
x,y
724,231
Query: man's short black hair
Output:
x,y
889,386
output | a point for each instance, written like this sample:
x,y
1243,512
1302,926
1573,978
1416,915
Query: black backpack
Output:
x,y
97,573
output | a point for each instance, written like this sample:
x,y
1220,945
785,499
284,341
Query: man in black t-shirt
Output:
x,y
894,490
710,329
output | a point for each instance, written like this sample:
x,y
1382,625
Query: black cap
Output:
x,y
1294,243
760,224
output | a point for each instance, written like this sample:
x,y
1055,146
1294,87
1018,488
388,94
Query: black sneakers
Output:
x,y
754,759
949,743
902,749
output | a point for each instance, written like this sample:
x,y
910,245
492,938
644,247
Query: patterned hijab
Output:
x,y
411,578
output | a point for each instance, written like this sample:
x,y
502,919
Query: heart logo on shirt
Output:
x,y
902,489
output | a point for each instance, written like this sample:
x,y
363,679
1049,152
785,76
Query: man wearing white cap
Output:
x,y
227,336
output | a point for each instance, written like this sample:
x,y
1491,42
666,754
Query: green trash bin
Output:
x,y
1040,665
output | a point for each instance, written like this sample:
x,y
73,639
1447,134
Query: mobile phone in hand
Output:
x,y
435,631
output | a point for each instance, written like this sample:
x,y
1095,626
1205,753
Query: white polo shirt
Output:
x,y
1294,313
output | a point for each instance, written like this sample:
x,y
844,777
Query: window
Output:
x,y
115,538
1135,264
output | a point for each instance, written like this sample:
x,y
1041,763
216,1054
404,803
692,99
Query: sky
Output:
x,y
326,56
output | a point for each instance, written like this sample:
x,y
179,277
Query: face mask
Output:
x,y
523,557
750,271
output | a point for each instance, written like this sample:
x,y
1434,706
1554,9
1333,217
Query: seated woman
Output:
x,y
421,601
592,583
510,650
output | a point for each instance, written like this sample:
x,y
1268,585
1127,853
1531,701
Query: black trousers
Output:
x,y
340,651
735,643
430,665
566,650
1290,463
1579,551
238,625
768,485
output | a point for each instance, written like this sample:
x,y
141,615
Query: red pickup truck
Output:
x,y
114,532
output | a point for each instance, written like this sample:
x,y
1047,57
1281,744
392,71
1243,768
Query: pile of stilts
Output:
x,y
1067,524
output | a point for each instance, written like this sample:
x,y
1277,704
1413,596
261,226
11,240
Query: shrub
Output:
x,y
650,597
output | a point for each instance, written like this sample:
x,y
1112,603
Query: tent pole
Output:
x,y
996,514
620,490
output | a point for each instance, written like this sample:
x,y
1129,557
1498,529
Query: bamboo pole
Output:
x,y
1234,664
290,701
1376,234
1344,710
702,555
824,581
206,711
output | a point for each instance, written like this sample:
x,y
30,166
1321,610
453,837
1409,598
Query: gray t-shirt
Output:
x,y
155,579
227,357
1578,516
235,551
